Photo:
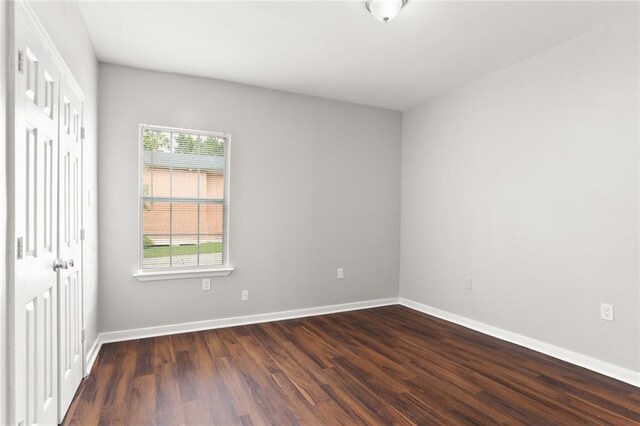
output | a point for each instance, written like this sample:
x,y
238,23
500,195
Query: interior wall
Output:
x,y
4,34
314,186
65,25
526,181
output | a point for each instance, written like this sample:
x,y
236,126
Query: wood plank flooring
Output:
x,y
388,365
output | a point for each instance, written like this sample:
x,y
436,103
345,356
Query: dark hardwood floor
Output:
x,y
377,366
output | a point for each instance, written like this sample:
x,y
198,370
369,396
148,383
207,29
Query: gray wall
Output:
x,y
526,180
314,186
64,23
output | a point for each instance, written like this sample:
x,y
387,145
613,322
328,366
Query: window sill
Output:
x,y
182,274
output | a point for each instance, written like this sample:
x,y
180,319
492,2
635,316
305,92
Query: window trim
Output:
x,y
167,274
178,272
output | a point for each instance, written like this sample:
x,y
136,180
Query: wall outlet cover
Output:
x,y
468,285
606,311
340,273
206,284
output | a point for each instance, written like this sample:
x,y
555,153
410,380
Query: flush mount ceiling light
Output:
x,y
384,10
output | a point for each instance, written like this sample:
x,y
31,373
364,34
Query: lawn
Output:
x,y
163,251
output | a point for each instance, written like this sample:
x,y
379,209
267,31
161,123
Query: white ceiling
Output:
x,y
335,49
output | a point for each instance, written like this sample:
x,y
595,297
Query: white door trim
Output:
x,y
12,73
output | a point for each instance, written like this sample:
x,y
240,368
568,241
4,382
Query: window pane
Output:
x,y
156,141
184,218
156,182
211,247
184,143
156,163
155,251
211,184
184,182
212,167
184,166
156,217
212,146
184,250
211,233
211,219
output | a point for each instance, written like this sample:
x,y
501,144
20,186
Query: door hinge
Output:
x,y
19,248
82,132
21,61
83,334
82,234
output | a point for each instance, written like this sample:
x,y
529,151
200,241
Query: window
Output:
x,y
184,200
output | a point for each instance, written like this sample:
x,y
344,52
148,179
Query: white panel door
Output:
x,y
36,221
70,349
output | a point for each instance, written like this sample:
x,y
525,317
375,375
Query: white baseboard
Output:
x,y
92,354
602,367
163,330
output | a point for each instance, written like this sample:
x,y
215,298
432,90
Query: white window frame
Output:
x,y
182,272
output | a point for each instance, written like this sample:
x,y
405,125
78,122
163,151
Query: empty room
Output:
x,y
299,212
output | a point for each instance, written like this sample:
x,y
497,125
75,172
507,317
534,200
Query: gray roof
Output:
x,y
183,161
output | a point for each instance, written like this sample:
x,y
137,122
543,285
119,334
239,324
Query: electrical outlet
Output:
x,y
340,274
245,295
606,311
206,284
468,285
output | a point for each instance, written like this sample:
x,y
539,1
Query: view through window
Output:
x,y
183,198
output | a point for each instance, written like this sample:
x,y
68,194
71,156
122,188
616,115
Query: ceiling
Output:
x,y
335,49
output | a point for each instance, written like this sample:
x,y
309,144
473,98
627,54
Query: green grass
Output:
x,y
163,251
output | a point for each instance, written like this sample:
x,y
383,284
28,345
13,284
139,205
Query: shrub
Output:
x,y
147,242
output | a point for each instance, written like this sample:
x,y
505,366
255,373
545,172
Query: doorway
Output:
x,y
45,215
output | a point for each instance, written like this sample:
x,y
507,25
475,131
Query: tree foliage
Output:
x,y
156,141
183,143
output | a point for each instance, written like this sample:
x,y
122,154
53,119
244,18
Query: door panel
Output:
x,y
70,301
35,216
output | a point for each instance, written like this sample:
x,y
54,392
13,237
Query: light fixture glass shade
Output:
x,y
385,10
